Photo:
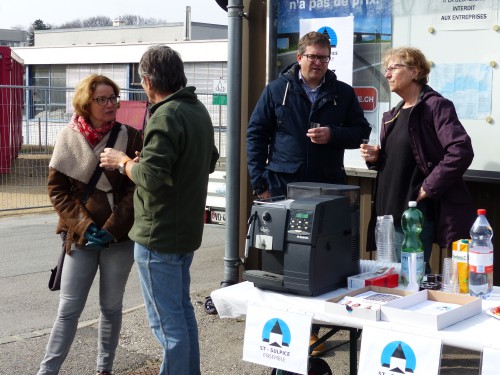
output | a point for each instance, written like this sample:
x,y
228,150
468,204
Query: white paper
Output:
x,y
433,307
468,86
490,361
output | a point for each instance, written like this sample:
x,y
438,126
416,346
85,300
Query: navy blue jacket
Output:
x,y
276,134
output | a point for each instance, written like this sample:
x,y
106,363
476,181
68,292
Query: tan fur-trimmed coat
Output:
x,y
110,206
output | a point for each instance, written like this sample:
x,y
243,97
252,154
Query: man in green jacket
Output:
x,y
171,187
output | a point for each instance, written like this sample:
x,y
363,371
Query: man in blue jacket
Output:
x,y
301,125
282,145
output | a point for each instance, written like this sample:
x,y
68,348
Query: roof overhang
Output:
x,y
191,51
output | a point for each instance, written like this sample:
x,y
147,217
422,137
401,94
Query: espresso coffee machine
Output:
x,y
306,243
310,189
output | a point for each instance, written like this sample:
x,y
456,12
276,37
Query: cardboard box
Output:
x,y
460,252
431,309
333,306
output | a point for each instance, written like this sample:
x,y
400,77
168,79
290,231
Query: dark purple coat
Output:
x,y
443,152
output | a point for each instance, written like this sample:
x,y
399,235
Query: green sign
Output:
x,y
219,99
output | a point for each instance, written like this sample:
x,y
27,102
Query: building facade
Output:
x,y
13,38
61,58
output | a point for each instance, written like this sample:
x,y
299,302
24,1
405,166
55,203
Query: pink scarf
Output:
x,y
92,135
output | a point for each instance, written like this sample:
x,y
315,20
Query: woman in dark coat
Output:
x,y
423,154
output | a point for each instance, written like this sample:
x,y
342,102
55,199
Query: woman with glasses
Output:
x,y
95,215
424,152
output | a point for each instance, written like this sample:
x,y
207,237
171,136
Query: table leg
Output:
x,y
354,335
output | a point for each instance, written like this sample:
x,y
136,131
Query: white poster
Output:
x,y
390,352
277,339
465,14
340,30
468,86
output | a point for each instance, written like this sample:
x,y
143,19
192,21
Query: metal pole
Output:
x,y
220,125
27,105
40,133
270,40
231,259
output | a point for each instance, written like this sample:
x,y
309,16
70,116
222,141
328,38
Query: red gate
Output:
x,y
11,106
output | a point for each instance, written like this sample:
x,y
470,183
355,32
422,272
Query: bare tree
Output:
x,y
75,24
130,19
98,21
154,21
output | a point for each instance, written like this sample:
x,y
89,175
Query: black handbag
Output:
x,y
56,272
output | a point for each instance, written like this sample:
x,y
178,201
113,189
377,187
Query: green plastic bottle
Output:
x,y
412,251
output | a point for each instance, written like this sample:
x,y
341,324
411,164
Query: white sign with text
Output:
x,y
277,339
465,14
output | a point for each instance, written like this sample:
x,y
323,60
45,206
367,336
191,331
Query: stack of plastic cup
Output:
x,y
450,276
384,237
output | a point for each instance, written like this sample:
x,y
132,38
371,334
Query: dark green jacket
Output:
x,y
172,176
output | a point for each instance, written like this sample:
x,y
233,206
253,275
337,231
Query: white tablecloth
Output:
x,y
474,333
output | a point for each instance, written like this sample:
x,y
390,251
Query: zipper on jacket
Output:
x,y
286,93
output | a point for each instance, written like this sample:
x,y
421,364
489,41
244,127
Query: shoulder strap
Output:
x,y
98,170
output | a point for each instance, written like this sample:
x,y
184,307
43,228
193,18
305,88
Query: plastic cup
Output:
x,y
450,281
384,236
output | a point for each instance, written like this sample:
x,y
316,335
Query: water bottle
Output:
x,y
481,257
412,252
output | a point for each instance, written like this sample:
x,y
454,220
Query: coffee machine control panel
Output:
x,y
300,222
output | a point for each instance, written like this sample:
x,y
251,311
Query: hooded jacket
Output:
x,y
443,152
276,134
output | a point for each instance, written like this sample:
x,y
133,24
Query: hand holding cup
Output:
x,y
318,134
369,152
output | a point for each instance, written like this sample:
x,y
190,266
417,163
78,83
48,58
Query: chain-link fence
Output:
x,y
30,119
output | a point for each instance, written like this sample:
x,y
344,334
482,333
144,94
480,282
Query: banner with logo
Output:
x,y
340,31
390,352
277,339
371,33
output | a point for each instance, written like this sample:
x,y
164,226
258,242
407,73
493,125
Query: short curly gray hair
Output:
x,y
413,58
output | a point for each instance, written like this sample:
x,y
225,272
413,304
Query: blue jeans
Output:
x,y
165,283
80,267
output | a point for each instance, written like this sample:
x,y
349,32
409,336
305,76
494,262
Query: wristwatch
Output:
x,y
121,165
